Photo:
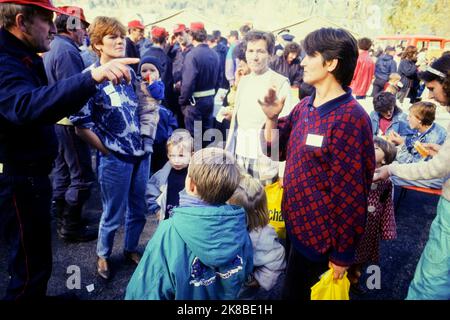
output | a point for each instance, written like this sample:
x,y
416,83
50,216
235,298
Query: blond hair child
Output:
x,y
268,254
203,251
164,186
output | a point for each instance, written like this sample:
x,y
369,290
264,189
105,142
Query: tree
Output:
x,y
420,16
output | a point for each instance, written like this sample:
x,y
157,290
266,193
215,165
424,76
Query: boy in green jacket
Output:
x,y
203,251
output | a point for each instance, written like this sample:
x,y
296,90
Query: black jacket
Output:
x,y
384,66
132,51
200,72
407,69
293,71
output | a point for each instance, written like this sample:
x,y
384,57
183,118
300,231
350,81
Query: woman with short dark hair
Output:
x,y
327,143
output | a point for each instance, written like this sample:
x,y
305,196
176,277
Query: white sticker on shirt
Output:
x,y
109,89
115,99
314,140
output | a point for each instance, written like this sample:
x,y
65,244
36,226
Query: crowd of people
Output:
x,y
146,107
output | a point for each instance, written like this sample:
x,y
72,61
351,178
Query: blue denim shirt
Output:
x,y
399,124
408,154
113,115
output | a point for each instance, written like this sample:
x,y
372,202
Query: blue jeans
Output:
x,y
122,186
432,277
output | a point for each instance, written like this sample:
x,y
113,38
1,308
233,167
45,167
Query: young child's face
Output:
x,y
149,69
379,156
413,120
179,157
388,114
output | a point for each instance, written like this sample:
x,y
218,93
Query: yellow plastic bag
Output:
x,y
329,289
274,193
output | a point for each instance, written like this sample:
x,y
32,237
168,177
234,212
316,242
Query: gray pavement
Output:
x,y
398,257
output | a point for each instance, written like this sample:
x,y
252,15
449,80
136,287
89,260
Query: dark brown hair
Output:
x,y
409,52
389,149
334,44
255,35
292,47
364,44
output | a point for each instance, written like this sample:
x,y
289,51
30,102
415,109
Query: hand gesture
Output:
x,y
177,86
432,148
143,95
115,70
227,114
240,72
381,174
395,138
149,79
272,105
339,271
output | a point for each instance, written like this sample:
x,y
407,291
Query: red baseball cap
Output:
x,y
74,12
136,24
45,4
180,27
158,32
197,26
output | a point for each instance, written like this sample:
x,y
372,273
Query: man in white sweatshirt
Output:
x,y
247,118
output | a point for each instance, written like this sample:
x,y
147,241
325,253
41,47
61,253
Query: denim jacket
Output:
x,y
408,154
399,124
156,192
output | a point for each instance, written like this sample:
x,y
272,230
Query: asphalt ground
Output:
x,y
397,264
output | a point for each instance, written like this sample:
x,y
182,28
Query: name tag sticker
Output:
x,y
109,89
1,167
314,140
115,99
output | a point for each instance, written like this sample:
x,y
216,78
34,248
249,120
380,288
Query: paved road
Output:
x,y
397,265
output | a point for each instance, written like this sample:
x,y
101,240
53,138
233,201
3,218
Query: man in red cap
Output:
x,y
178,52
28,145
199,82
158,50
179,31
72,174
135,34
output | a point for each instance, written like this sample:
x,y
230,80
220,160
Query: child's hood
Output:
x,y
215,234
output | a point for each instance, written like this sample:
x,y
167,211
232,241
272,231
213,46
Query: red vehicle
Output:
x,y
435,45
